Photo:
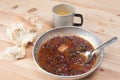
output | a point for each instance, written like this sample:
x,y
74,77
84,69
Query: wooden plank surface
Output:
x,y
102,17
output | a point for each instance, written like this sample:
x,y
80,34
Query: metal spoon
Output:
x,y
89,54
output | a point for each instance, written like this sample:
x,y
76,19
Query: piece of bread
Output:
x,y
19,31
37,21
13,53
21,37
23,30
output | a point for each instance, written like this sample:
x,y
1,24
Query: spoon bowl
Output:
x,y
89,54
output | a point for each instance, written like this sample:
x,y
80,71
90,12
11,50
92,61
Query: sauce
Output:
x,y
62,55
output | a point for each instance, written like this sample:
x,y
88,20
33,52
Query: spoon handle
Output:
x,y
106,43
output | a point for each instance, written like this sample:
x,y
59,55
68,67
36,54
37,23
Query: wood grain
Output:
x,y
100,17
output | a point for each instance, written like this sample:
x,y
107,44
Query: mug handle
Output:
x,y
81,17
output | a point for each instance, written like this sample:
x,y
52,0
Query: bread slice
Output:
x,y
38,22
21,37
13,53
19,30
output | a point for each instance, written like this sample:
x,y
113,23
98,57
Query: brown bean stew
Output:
x,y
62,55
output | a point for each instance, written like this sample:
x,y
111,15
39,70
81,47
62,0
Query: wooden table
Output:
x,y
102,17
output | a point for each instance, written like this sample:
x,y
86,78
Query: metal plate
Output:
x,y
69,31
